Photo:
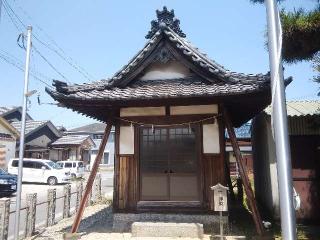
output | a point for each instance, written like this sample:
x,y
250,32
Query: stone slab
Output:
x,y
122,221
168,229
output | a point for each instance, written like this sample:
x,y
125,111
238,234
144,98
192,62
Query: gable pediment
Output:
x,y
171,69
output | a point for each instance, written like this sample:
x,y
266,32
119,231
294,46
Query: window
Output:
x,y
105,159
38,165
68,165
80,164
15,163
97,136
28,164
74,164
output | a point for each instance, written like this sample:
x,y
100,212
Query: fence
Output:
x,y
38,214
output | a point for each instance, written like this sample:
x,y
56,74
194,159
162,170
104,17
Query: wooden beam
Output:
x,y
243,174
92,176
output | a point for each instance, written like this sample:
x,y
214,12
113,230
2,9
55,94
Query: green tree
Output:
x,y
301,36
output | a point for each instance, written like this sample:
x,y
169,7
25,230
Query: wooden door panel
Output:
x,y
154,187
184,187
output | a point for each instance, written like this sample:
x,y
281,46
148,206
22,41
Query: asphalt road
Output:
x,y
42,191
41,211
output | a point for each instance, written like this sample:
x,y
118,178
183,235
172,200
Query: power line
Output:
x,y
34,48
18,62
56,44
49,63
83,72
18,66
12,18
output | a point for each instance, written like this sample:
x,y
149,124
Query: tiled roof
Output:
x,y
71,140
90,128
4,110
242,132
214,74
207,79
170,88
300,108
31,125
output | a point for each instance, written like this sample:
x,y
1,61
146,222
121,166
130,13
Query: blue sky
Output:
x,y
101,36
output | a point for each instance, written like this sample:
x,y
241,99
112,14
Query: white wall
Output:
x,y
194,109
264,163
210,135
126,145
142,111
169,70
9,147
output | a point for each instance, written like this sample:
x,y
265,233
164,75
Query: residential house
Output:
x,y
168,106
8,138
72,147
243,135
95,131
38,137
304,136
13,114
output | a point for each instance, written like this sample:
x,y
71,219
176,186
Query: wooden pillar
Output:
x,y
92,176
243,174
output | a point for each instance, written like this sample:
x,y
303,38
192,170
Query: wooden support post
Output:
x,y
243,174
31,214
4,217
92,176
51,211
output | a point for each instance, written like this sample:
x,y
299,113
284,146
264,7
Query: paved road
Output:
x,y
42,191
41,212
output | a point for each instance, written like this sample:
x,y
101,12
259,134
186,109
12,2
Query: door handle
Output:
x,y
171,171
165,171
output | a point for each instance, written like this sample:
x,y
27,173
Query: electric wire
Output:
x,y
18,62
83,72
50,64
33,47
21,68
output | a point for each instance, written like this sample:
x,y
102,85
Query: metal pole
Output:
x,y
22,135
280,124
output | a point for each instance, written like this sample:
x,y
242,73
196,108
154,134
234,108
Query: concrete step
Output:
x,y
167,229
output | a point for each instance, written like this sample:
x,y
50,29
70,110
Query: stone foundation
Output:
x,y
122,221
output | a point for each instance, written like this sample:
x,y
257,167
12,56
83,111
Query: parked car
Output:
x,y
40,170
76,168
8,183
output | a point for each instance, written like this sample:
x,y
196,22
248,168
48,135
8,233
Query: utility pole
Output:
x,y
280,123
22,135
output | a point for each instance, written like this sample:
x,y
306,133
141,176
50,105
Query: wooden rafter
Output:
x,y
243,174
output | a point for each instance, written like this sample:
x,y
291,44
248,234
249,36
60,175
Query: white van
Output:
x,y
39,170
76,168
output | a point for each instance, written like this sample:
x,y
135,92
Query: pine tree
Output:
x,y
301,36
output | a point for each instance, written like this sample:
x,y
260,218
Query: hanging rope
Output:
x,y
167,125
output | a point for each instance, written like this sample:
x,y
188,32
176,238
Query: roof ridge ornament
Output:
x,y
165,19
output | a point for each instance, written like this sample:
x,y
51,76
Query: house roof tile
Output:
x,y
71,140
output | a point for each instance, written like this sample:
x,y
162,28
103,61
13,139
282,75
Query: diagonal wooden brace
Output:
x,y
243,174
92,176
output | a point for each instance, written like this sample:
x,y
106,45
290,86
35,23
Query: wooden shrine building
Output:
x,y
170,105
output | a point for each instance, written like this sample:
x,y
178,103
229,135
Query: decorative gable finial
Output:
x,y
165,18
